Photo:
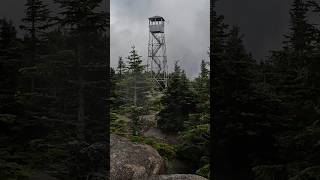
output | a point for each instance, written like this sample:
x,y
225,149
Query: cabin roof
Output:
x,y
156,18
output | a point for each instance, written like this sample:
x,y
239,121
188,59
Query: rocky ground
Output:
x,y
137,161
130,160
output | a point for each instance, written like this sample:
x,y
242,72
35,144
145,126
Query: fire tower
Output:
x,y
157,58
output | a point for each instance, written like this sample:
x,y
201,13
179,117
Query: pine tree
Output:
x,y
297,85
301,32
114,94
36,22
233,98
136,125
9,65
295,64
202,87
137,80
314,63
87,28
7,34
121,67
177,101
135,62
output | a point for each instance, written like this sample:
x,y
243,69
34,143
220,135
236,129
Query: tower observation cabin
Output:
x,y
156,24
157,58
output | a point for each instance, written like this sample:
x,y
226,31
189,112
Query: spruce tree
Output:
x,y
36,22
121,67
221,142
10,62
296,87
87,28
295,64
202,84
177,101
136,124
138,85
301,31
135,62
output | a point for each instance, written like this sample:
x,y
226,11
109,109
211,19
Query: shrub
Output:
x,y
165,150
204,171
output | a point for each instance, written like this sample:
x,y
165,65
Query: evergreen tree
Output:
x,y
61,61
301,32
136,125
7,34
177,101
135,62
220,154
136,69
295,64
121,67
202,88
36,22
296,87
9,64
237,118
87,29
134,86
114,94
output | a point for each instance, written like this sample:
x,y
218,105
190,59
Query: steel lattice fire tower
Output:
x,y
157,58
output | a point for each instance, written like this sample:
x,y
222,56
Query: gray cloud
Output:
x,y
263,22
187,29
12,10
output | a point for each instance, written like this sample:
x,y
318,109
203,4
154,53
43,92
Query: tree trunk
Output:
x,y
135,90
81,119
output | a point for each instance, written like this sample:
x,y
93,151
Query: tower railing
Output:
x,y
157,58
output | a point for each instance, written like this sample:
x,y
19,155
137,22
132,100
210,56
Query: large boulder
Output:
x,y
178,177
130,160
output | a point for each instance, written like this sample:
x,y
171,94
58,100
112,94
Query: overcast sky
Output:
x,y
263,23
187,30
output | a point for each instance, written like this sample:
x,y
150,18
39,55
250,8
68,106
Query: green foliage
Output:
x,y
37,18
55,155
12,171
8,37
7,118
121,67
135,62
308,173
131,86
177,102
204,171
167,151
195,145
82,15
117,126
49,77
199,130
243,113
136,125
270,172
